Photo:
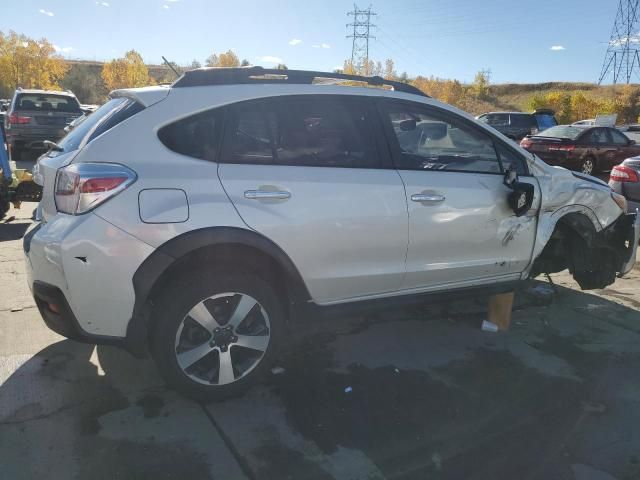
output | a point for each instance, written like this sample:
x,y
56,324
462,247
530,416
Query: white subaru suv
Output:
x,y
199,222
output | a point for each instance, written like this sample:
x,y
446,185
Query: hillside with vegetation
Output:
x,y
32,63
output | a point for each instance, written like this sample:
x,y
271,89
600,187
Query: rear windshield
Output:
x,y
562,131
545,120
47,103
107,116
525,120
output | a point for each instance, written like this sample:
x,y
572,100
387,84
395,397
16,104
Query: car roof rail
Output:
x,y
200,77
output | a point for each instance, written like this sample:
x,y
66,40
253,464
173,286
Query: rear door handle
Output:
x,y
266,195
427,198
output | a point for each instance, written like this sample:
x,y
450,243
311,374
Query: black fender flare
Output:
x,y
155,265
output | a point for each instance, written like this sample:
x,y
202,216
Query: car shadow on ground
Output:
x,y
414,393
12,231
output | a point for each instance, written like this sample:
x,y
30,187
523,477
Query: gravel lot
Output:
x,y
431,396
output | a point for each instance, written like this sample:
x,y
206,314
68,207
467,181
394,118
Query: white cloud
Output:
x,y
621,41
315,46
295,41
103,4
270,59
46,12
166,7
325,45
62,49
556,48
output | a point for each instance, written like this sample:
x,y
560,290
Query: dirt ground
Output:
x,y
418,393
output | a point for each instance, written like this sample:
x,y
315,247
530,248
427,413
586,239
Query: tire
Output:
x,y
588,166
177,339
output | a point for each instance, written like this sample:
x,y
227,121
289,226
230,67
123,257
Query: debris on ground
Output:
x,y
16,309
277,370
489,326
348,390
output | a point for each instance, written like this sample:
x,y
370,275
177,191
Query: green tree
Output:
x,y
195,64
86,83
480,86
282,66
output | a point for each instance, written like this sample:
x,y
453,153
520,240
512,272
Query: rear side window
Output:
x,y
195,136
523,121
118,108
311,131
47,103
496,119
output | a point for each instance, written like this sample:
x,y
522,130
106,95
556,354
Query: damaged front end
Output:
x,y
593,258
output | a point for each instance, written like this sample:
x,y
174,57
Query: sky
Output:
x,y
524,42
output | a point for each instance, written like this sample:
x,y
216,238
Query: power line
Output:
x,y
622,58
361,34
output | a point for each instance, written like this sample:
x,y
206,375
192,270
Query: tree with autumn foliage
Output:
x,y
29,63
126,72
227,59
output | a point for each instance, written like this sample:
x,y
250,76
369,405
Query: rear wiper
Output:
x,y
53,146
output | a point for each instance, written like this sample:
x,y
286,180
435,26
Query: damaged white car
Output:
x,y
198,222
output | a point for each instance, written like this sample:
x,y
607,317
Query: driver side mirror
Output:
x,y
520,198
4,107
632,142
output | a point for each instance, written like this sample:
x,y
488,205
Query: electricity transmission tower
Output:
x,y
361,34
622,59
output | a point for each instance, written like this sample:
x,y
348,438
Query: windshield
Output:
x,y
562,131
47,103
74,138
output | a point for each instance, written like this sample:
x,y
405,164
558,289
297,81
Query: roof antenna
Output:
x,y
170,66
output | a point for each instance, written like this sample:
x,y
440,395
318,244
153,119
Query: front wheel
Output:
x,y
216,334
588,166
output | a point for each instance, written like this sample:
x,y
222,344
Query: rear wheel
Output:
x,y
216,334
588,166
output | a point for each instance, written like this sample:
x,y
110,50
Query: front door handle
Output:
x,y
266,195
427,198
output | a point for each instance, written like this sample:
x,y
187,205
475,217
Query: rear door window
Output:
x,y
307,131
36,102
618,138
523,121
495,119
75,137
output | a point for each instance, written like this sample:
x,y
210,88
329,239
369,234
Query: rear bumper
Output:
x,y
59,317
34,140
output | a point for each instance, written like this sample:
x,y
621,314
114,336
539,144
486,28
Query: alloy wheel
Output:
x,y
222,338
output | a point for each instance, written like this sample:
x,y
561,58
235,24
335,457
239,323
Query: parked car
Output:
x,y
585,123
38,115
585,149
516,125
201,221
625,180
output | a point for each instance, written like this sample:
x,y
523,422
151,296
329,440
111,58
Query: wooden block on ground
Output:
x,y
500,307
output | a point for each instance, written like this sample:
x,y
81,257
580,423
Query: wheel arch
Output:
x,y
224,245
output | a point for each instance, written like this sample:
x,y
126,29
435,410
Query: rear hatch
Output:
x,y
44,113
106,117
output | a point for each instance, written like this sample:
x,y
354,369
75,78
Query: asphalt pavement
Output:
x,y
417,393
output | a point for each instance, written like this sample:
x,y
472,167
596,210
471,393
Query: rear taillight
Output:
x,y
15,119
81,187
621,173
